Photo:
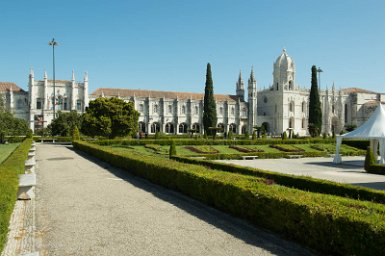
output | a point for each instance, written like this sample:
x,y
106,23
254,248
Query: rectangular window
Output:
x,y
39,103
141,108
78,105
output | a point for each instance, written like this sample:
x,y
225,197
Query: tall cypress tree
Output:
x,y
315,113
209,107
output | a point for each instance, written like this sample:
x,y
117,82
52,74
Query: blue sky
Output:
x,y
165,45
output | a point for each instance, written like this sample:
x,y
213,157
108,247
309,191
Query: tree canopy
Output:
x,y
315,113
209,107
11,126
110,117
64,123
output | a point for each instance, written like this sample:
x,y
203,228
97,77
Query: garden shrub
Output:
x,y
9,183
172,149
369,159
287,148
299,182
330,224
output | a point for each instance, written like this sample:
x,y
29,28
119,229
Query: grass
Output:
x,y
6,150
159,150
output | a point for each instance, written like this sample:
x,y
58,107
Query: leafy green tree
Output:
x,y
11,126
315,113
64,123
209,107
2,103
110,117
75,134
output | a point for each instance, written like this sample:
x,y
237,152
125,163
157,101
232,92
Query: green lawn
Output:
x,y
154,149
6,150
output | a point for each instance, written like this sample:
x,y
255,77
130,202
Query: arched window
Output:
x,y
155,127
291,106
291,122
221,110
291,85
183,128
156,108
303,123
196,127
196,110
277,86
183,110
303,106
233,128
244,127
142,127
169,128
232,111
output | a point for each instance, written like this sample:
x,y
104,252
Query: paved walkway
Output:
x,y
85,207
350,171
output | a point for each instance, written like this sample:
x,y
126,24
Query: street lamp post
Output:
x,y
319,70
53,43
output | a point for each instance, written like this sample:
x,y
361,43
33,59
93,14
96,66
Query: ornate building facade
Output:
x,y
36,105
281,107
69,95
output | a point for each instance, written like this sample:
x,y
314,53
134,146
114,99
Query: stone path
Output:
x,y
86,207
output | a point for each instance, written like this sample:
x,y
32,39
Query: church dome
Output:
x,y
284,61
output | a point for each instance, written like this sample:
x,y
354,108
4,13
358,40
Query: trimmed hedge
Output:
x,y
370,164
330,224
298,182
195,142
9,183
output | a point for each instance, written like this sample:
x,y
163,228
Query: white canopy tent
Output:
x,y
373,129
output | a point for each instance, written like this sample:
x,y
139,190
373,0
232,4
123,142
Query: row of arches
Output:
x,y
169,128
184,128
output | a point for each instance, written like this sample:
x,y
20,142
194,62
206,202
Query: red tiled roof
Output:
x,y
356,90
7,86
114,92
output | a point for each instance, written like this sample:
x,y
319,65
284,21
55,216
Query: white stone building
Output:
x,y
69,94
284,105
15,99
281,107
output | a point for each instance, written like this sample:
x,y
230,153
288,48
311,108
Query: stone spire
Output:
x,y
240,87
45,75
73,75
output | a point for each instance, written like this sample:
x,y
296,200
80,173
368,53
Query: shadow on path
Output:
x,y
349,164
236,227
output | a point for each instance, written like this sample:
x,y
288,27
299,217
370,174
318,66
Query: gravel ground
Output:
x,y
86,207
351,170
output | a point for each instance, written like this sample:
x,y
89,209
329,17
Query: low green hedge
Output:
x,y
299,182
194,142
330,224
361,144
371,165
9,182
